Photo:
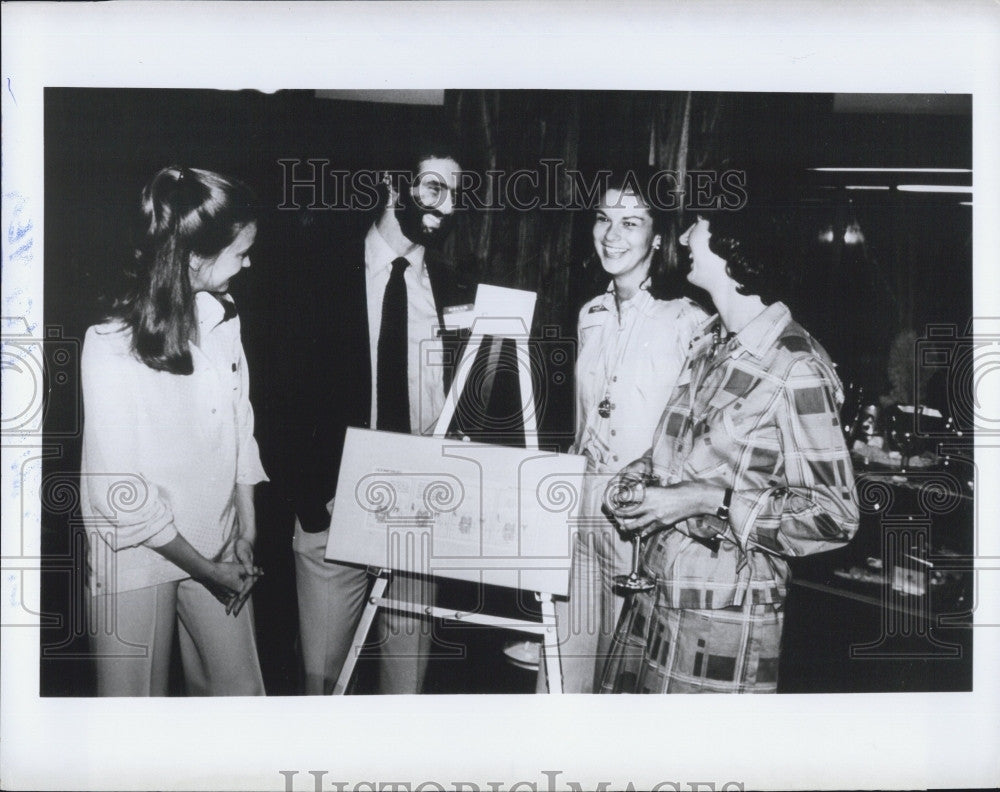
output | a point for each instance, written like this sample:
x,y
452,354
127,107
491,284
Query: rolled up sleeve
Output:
x,y
128,508
814,508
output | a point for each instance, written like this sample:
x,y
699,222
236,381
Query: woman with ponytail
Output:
x,y
169,458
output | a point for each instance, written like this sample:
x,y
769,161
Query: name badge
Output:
x,y
595,317
458,317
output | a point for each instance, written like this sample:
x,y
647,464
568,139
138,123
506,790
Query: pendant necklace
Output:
x,y
719,340
605,406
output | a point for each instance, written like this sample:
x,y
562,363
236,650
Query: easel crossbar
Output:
x,y
468,617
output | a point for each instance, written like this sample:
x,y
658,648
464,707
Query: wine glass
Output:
x,y
624,492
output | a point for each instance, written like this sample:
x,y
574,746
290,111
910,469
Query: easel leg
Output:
x,y
527,393
550,645
455,391
361,633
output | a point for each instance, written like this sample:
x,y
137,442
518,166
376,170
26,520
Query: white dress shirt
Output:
x,y
424,358
162,452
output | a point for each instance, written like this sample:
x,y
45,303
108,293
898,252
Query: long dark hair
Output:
x,y
184,211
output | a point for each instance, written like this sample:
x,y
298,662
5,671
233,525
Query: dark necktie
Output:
x,y
392,387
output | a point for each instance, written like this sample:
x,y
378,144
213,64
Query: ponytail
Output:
x,y
183,212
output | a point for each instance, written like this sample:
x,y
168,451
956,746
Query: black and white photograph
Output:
x,y
357,423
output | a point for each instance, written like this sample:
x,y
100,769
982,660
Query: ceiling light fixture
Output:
x,y
933,188
893,170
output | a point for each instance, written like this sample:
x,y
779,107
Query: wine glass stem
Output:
x,y
636,546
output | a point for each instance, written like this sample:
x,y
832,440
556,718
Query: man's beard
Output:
x,y
410,216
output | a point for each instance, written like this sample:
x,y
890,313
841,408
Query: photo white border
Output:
x,y
817,741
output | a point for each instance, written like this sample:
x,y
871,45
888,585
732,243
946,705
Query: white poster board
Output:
x,y
498,310
468,511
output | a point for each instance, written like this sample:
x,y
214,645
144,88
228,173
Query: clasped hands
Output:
x,y
640,505
233,580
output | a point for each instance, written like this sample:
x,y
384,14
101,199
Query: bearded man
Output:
x,y
375,361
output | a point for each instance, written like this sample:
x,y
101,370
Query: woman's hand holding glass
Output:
x,y
661,507
641,507
624,493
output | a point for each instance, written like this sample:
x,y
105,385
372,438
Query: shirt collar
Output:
x,y
759,335
379,255
209,308
764,329
637,301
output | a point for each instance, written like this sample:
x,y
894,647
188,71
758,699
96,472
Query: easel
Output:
x,y
498,330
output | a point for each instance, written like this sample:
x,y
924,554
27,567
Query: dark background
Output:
x,y
102,145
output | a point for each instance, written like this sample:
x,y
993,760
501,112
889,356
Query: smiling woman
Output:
x,y
706,266
625,239
632,347
747,468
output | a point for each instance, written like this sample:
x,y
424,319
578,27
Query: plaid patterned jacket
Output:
x,y
758,414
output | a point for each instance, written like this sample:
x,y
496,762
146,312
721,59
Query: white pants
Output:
x,y
331,599
586,623
132,637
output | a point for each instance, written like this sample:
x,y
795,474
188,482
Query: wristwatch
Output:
x,y
723,511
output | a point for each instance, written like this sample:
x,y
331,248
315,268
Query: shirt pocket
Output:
x,y
590,326
711,453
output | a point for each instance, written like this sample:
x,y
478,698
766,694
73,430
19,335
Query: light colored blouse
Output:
x,y
162,452
632,359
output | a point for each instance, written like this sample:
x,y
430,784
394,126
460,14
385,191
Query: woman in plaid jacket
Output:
x,y
748,466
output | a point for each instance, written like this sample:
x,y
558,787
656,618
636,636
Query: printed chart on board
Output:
x,y
469,511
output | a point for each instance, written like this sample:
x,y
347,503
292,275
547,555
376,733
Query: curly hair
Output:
x,y
756,241
419,144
